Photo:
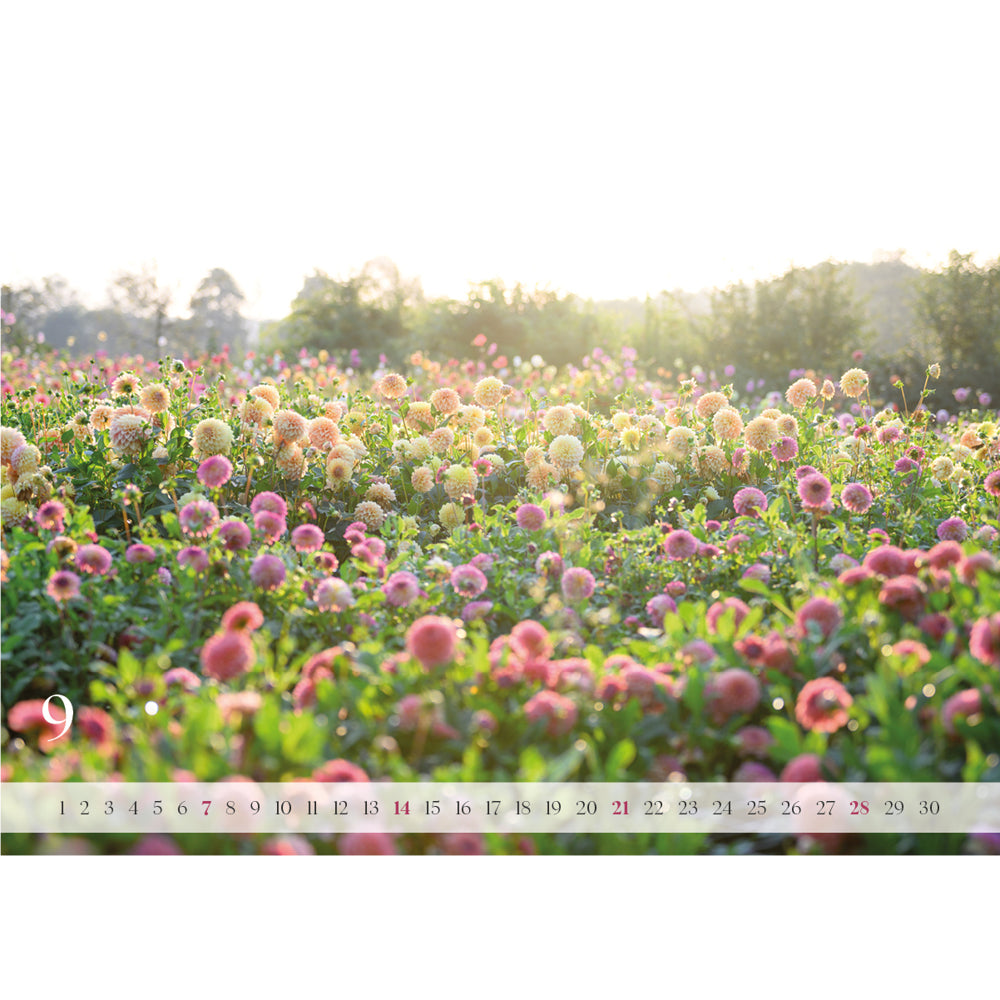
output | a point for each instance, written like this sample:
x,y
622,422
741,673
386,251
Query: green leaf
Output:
x,y
531,765
619,759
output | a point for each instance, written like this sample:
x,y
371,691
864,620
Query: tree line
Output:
x,y
900,317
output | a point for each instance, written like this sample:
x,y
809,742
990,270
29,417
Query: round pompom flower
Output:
x,y
856,497
431,640
289,427
51,516
992,483
819,611
577,584
727,424
267,500
267,571
212,437
814,490
557,711
63,585
488,391
740,610
227,654
709,403
307,538
854,382
749,501
468,580
681,544
93,559
761,433
138,552
244,616
270,524
370,513
392,386
960,706
333,594
785,450
195,557
215,471
733,692
984,640
530,517
566,452
235,534
198,518
800,392
953,529
401,588
822,705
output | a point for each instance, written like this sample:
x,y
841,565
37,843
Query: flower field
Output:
x,y
493,570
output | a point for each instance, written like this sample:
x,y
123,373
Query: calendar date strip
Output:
x,y
507,808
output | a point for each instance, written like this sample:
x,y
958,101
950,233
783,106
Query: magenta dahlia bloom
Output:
x,y
856,497
235,534
749,501
468,580
681,544
577,584
93,559
954,529
984,641
215,471
401,588
814,490
307,538
530,517
267,571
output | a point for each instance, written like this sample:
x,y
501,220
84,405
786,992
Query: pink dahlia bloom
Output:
x,y
577,584
822,705
226,655
953,529
733,692
984,640
558,711
530,517
960,706
820,611
307,538
401,588
267,571
431,640
94,559
681,544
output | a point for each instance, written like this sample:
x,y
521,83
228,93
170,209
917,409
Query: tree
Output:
x,y
49,313
807,318
215,312
138,297
959,307
366,313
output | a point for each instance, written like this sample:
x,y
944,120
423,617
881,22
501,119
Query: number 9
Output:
x,y
67,722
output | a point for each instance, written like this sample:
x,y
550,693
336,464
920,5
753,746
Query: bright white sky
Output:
x,y
605,149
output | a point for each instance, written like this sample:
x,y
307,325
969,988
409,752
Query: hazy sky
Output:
x,y
606,149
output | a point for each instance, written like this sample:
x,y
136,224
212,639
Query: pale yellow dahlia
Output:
x,y
460,481
100,417
442,439
267,392
566,452
419,416
370,513
854,381
256,411
445,401
727,424
709,404
212,437
419,448
534,455
681,440
338,472
155,397
488,391
559,420
761,433
422,479
452,516
788,426
382,494
800,392
323,433
129,433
